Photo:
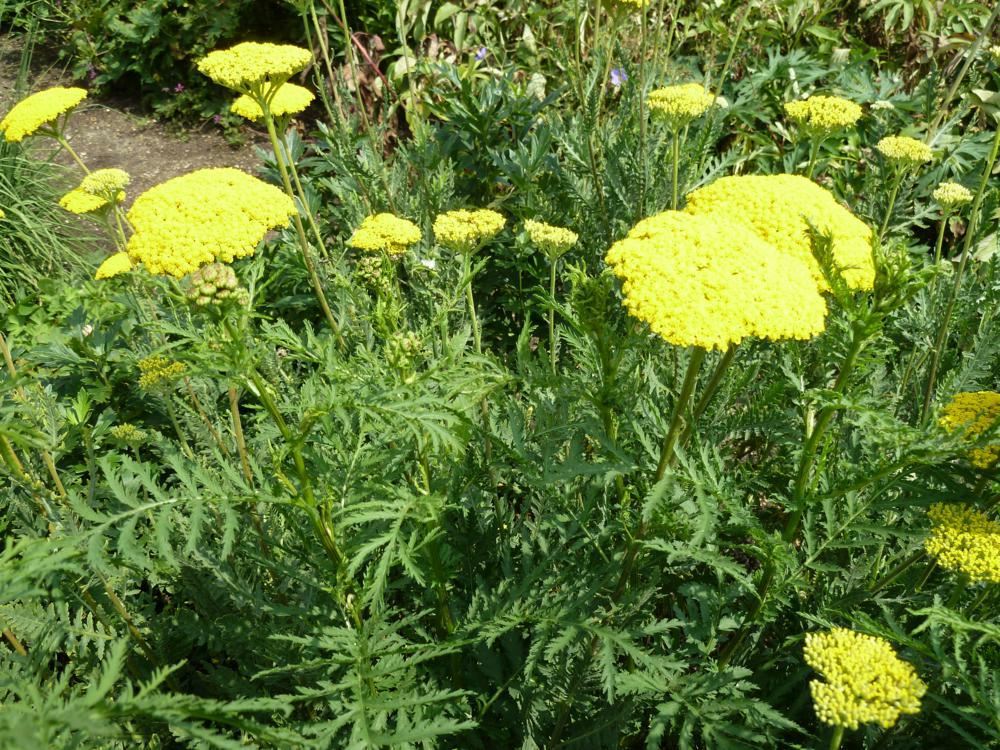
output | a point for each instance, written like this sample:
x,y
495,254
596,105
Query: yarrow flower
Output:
x,y
34,112
106,182
249,65
156,371
994,52
823,115
904,152
98,190
680,104
965,540
465,231
77,201
780,209
710,281
974,413
289,99
128,433
553,241
114,265
951,195
864,681
204,216
385,232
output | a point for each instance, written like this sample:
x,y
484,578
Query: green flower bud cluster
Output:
x,y
128,433
216,285
370,274
402,350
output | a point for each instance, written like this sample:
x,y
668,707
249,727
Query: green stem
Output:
x,y
836,738
709,393
957,286
676,162
813,155
172,414
643,154
897,180
61,140
938,245
297,218
553,263
471,302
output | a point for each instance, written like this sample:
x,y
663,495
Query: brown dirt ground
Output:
x,y
114,134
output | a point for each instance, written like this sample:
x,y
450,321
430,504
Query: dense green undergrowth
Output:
x,y
328,497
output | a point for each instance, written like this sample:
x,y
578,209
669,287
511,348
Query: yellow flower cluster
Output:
x,y
289,99
975,413
385,232
709,281
904,152
128,433
250,64
951,195
823,115
465,231
77,201
995,53
865,682
107,182
553,241
2,214
37,110
204,216
155,371
114,265
780,209
680,104
966,541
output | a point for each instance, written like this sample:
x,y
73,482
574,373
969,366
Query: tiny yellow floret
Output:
x,y
780,209
385,233
32,113
254,65
551,240
680,104
204,216
965,540
951,195
904,152
822,115
289,99
974,413
114,265
465,231
710,281
864,681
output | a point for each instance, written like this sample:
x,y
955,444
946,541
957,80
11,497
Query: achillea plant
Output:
x,y
966,541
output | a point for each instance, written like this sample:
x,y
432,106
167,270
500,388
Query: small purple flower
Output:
x,y
178,88
481,54
217,119
618,77
91,72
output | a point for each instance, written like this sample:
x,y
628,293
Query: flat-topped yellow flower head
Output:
x,y
99,190
78,201
29,115
951,195
252,66
864,682
156,371
289,99
966,541
465,231
780,209
974,413
204,216
680,104
904,152
551,240
710,281
823,115
114,265
385,233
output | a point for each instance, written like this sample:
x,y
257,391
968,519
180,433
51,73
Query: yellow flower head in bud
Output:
x,y
553,241
823,115
156,371
289,99
904,152
38,110
864,681
204,216
465,231
966,541
951,195
128,433
77,201
115,265
251,65
105,182
681,104
710,281
385,233
780,209
974,413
